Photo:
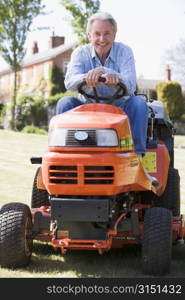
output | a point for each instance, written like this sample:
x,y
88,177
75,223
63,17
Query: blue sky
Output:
x,y
149,27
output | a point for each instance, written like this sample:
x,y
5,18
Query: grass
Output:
x,y
17,172
16,177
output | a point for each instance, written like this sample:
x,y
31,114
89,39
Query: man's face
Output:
x,y
102,36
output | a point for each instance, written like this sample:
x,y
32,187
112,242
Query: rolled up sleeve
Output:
x,y
127,71
75,70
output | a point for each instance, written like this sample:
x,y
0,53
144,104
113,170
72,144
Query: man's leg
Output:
x,y
67,103
137,110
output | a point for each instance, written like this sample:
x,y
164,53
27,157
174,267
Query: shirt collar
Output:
x,y
111,54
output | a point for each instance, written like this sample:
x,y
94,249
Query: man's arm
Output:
x,y
75,70
127,72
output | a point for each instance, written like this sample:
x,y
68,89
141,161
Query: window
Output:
x,y
34,73
4,82
12,79
24,76
46,70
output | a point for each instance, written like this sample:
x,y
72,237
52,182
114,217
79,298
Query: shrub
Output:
x,y
52,100
2,112
32,111
33,129
182,118
56,78
171,94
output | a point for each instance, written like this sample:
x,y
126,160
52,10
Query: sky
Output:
x,y
149,27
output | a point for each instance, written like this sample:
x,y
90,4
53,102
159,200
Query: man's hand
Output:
x,y
111,79
93,75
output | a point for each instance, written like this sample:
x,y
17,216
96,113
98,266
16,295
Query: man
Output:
x,y
115,62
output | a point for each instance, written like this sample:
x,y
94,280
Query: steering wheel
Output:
x,y
120,92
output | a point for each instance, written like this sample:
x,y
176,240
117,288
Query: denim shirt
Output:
x,y
119,61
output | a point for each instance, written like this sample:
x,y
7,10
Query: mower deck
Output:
x,y
124,231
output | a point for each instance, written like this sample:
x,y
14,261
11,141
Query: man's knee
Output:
x,y
136,106
138,102
67,103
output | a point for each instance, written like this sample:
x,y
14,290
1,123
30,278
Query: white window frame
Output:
x,y
34,72
46,70
24,76
12,79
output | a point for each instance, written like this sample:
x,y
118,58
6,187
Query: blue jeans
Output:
x,y
136,109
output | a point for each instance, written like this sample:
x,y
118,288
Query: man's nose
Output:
x,y
102,37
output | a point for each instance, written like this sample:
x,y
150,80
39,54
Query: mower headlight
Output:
x,y
57,137
106,138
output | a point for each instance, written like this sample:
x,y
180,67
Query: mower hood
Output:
x,y
93,116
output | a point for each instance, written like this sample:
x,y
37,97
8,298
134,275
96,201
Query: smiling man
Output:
x,y
114,61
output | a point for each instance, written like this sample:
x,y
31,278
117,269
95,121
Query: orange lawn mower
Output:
x,y
91,191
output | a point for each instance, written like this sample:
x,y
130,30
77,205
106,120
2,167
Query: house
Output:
x,y
146,86
34,72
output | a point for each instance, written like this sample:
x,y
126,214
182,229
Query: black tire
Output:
x,y
171,197
15,235
39,197
157,241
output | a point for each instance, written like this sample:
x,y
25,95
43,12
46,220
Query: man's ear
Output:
x,y
89,36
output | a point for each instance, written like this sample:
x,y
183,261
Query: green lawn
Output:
x,y
17,172
16,177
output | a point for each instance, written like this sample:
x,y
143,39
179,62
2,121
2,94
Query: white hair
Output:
x,y
101,16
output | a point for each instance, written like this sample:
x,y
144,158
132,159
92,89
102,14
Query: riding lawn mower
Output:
x,y
91,190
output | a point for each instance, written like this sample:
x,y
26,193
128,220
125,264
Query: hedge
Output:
x,y
171,94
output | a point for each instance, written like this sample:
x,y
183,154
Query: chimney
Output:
x,y
34,48
56,41
168,73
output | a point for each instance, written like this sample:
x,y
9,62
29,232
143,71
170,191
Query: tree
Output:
x,y
81,10
16,17
171,94
175,57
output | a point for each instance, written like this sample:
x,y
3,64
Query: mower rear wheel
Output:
x,y
157,241
171,197
15,235
39,197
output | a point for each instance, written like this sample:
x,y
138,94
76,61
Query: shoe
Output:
x,y
153,180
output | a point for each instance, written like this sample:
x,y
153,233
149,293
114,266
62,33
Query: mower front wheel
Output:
x,y
15,235
39,197
157,241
